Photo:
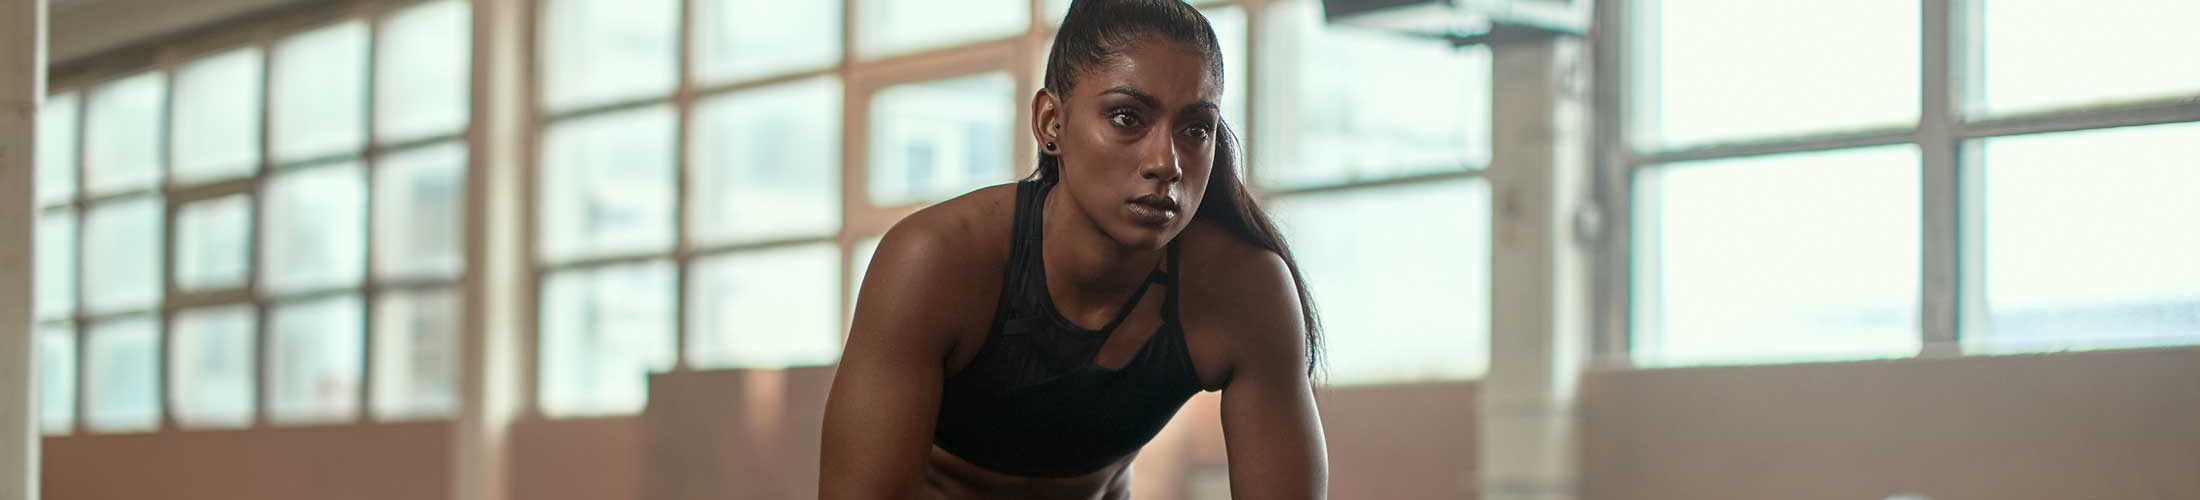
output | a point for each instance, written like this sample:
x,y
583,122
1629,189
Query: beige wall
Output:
x,y
2109,425
361,462
2106,425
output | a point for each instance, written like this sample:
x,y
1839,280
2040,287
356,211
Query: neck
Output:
x,y
1088,273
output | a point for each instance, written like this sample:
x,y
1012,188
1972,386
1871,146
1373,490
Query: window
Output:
x,y
602,332
2130,52
2079,248
1346,104
1812,207
773,150
766,308
937,139
1793,257
1359,249
597,52
197,259
1812,68
744,39
607,185
210,367
902,26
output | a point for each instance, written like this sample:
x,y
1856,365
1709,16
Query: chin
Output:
x,y
1132,236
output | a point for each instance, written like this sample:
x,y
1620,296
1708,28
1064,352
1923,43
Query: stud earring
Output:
x,y
1050,146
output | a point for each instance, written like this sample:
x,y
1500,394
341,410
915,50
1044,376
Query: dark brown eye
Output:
x,y
1198,132
1124,119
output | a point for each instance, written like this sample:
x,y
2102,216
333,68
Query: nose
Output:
x,y
1160,160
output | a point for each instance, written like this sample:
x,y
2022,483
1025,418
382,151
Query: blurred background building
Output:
x,y
606,249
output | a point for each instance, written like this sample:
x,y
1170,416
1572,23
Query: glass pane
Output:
x,y
420,212
217,117
602,51
320,92
313,229
2129,50
1231,33
56,378
211,367
314,361
741,39
859,265
606,185
422,68
1795,257
935,140
1737,69
901,26
1358,248
210,243
603,330
57,148
416,355
767,164
122,127
121,264
56,274
122,376
1357,104
2089,240
766,308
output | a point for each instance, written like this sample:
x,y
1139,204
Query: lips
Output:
x,y
1152,210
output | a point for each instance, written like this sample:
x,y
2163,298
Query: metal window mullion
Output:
x,y
2153,112
1941,259
854,159
370,163
164,368
535,121
684,112
256,222
1611,271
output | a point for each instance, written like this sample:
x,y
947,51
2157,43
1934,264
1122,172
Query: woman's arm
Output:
x,y
1269,420
886,392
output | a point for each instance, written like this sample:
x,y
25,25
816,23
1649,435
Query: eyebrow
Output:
x,y
1154,102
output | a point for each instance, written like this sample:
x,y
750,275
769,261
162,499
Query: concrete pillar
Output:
x,y
1540,259
22,87
493,343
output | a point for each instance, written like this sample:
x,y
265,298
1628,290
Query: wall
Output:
x,y
2103,425
362,462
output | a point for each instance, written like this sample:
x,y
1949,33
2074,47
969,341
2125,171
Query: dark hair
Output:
x,y
1096,30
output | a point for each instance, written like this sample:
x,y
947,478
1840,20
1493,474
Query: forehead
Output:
x,y
1172,71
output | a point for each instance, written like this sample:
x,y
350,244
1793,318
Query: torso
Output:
x,y
986,216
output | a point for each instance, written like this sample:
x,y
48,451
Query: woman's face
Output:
x,y
1137,140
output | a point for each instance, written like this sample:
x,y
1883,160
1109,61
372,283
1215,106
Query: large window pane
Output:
x,y
416,355
422,69
859,265
57,148
56,274
122,375
315,355
602,332
606,185
934,140
2052,53
211,243
1719,70
121,265
1231,32
210,366
601,51
2090,240
122,127
419,212
900,26
765,308
767,164
1359,249
1796,257
56,378
320,92
740,39
217,117
1357,104
313,229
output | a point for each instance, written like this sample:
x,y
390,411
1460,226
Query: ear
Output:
x,y
1046,120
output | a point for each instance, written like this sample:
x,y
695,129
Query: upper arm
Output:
x,y
1269,419
886,390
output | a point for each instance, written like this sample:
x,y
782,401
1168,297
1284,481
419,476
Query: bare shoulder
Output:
x,y
970,227
1240,305
936,274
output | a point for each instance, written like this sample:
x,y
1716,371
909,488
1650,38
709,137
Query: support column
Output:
x,y
22,87
1540,258
493,343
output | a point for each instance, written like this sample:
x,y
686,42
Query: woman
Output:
x,y
1025,340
